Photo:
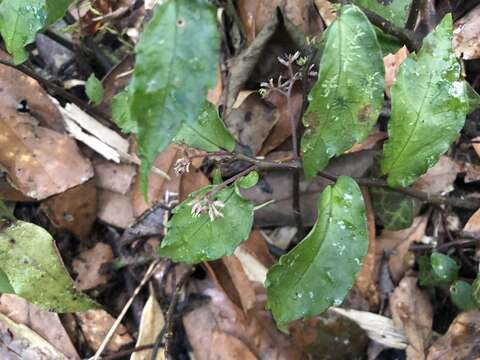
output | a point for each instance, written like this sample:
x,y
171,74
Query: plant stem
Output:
x,y
406,36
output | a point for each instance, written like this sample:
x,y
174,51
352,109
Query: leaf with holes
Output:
x,y
347,99
321,269
176,64
31,263
429,106
208,133
208,236
20,21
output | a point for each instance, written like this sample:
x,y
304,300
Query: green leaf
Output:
x,y
5,286
20,21
347,99
193,239
461,294
208,133
439,269
94,89
428,109
473,98
248,181
321,269
476,291
176,63
30,260
395,11
393,210
121,113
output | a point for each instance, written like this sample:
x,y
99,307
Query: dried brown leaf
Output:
x,y
466,35
115,209
398,244
440,178
392,63
44,323
74,210
412,312
461,340
151,323
473,224
114,177
88,265
95,325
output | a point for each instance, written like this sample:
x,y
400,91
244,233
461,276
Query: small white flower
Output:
x,y
182,166
205,205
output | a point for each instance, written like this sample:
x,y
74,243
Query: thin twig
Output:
x,y
113,329
406,36
167,331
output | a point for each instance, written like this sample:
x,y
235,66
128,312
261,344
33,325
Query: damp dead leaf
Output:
x,y
151,323
45,323
412,311
18,341
256,331
397,244
392,64
74,210
95,325
466,34
439,178
461,340
255,15
115,209
88,265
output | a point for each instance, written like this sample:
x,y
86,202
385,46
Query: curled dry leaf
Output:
x,y
392,63
151,323
473,224
74,210
466,35
45,323
326,10
88,266
17,341
251,123
375,137
95,325
255,15
461,340
282,129
412,312
397,244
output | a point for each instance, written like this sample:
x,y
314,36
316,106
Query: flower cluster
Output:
x,y
182,166
205,205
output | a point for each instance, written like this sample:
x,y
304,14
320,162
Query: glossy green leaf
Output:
x,y
5,286
428,109
176,63
20,21
246,182
208,133
94,89
121,113
461,294
321,269
192,239
438,269
30,260
395,11
347,99
394,211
